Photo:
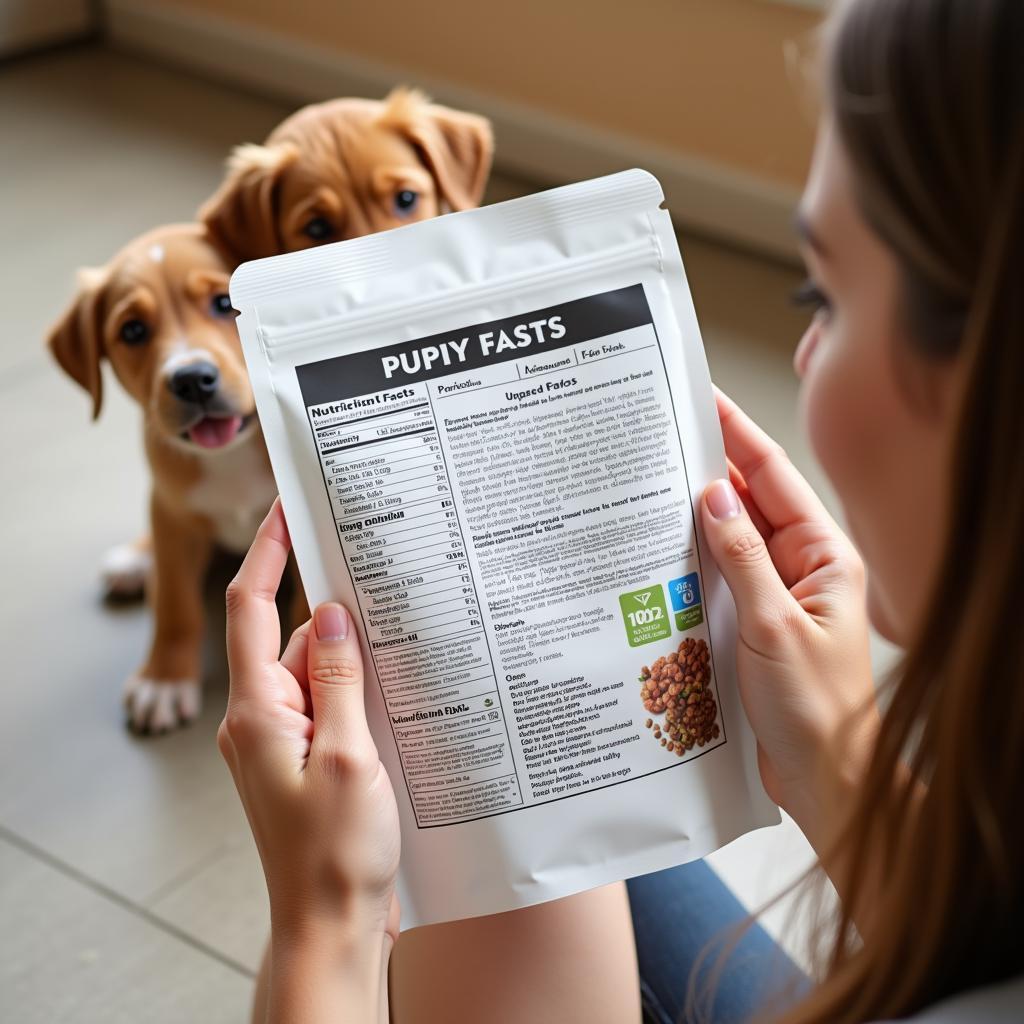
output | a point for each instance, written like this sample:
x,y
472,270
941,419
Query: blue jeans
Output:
x,y
685,911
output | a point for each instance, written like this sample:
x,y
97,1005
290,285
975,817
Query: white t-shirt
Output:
x,y
994,1004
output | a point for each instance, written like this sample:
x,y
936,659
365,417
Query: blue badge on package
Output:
x,y
686,606
685,592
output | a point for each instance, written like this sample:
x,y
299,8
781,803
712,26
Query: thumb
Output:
x,y
335,674
743,559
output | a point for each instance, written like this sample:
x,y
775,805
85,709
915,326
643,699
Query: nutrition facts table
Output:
x,y
391,496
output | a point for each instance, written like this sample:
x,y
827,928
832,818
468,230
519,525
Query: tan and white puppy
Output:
x,y
160,314
349,167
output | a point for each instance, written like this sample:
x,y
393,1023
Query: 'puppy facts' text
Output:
x,y
450,353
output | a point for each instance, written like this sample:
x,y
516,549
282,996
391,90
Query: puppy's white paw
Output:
x,y
157,705
124,571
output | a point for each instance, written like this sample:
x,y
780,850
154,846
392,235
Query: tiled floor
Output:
x,y
129,886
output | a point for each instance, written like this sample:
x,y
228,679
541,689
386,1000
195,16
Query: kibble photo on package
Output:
x,y
491,431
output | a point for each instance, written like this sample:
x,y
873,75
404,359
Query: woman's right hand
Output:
x,y
804,667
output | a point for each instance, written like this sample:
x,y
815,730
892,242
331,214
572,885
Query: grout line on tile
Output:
x,y
69,871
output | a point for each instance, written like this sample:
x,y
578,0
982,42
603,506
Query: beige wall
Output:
x,y
705,78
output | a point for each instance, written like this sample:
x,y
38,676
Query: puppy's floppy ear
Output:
x,y
76,340
456,147
242,215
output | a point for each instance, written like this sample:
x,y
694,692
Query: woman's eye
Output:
x,y
810,296
133,332
220,305
405,201
318,229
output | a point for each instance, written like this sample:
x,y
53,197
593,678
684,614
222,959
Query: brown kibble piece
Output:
x,y
678,685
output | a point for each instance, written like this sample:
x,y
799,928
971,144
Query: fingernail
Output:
x,y
723,501
331,622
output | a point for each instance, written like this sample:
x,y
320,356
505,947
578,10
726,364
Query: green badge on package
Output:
x,y
689,618
645,615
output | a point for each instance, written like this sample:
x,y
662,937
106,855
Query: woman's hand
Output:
x,y
318,800
804,667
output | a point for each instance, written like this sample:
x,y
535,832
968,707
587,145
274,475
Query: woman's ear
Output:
x,y
76,340
242,215
455,146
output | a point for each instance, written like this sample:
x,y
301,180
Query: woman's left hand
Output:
x,y
295,737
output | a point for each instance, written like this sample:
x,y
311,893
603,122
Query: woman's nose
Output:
x,y
805,349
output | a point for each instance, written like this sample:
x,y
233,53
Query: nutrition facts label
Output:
x,y
510,500
400,532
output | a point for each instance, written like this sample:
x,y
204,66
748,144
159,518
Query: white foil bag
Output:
x,y
491,431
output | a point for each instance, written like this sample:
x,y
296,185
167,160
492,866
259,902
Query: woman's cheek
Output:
x,y
842,422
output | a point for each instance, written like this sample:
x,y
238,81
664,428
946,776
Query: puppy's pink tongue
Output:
x,y
215,431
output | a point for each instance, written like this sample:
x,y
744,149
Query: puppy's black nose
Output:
x,y
196,382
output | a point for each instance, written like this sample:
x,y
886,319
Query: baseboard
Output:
x,y
704,197
34,26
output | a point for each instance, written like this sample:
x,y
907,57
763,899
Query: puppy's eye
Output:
x,y
220,305
405,201
133,332
318,229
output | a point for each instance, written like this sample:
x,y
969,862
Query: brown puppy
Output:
x,y
159,312
349,167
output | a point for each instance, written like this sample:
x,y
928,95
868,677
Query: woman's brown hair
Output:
x,y
928,100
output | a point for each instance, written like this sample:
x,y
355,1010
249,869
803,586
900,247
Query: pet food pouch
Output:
x,y
491,431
